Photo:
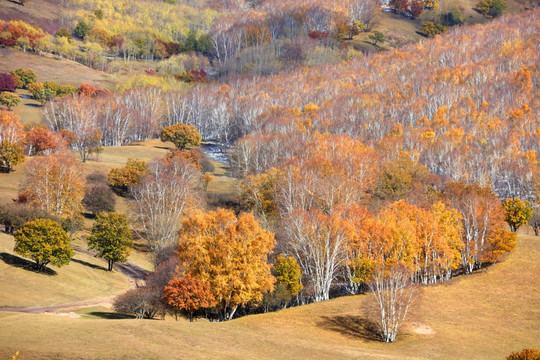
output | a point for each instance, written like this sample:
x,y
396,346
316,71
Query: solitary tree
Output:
x,y
181,135
111,237
188,294
394,294
9,100
518,212
44,241
377,37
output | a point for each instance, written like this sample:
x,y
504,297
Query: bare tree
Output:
x,y
394,293
161,198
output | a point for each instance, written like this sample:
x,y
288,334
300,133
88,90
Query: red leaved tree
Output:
x,y
188,294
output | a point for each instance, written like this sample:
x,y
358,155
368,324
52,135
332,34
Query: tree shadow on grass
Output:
x,y
141,246
86,263
352,326
19,262
111,315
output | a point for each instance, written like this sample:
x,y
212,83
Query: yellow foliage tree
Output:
x,y
229,254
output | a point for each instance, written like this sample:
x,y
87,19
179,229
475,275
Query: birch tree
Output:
x,y
169,188
394,294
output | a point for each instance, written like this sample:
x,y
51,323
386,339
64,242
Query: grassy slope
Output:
x,y
220,187
399,30
50,68
483,316
84,278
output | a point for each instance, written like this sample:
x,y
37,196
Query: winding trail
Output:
x,y
135,274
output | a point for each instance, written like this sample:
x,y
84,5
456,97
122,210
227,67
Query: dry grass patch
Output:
x,y
84,278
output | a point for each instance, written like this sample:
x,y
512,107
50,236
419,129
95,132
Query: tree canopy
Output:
x,y
230,254
44,241
111,237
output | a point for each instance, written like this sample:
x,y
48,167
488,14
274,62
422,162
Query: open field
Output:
x,y
484,316
84,278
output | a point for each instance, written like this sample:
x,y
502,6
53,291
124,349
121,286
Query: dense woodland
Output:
x,y
353,170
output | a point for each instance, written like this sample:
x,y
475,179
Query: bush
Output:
x,y
429,28
40,93
63,32
147,301
99,198
14,216
7,83
26,76
122,178
525,354
491,7
454,17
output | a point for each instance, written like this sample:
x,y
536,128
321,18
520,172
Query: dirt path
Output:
x,y
134,273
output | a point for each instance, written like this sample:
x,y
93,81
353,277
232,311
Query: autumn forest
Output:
x,y
319,178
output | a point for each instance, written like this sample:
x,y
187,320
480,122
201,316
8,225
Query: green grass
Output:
x,y
484,316
84,278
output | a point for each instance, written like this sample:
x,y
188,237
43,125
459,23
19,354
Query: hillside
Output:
x,y
484,316
334,167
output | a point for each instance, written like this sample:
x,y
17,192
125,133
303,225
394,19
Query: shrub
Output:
x,y
63,32
491,7
40,93
7,83
122,178
525,354
99,198
26,76
454,17
14,216
429,28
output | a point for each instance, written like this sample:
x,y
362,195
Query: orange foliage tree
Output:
x,y
188,294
